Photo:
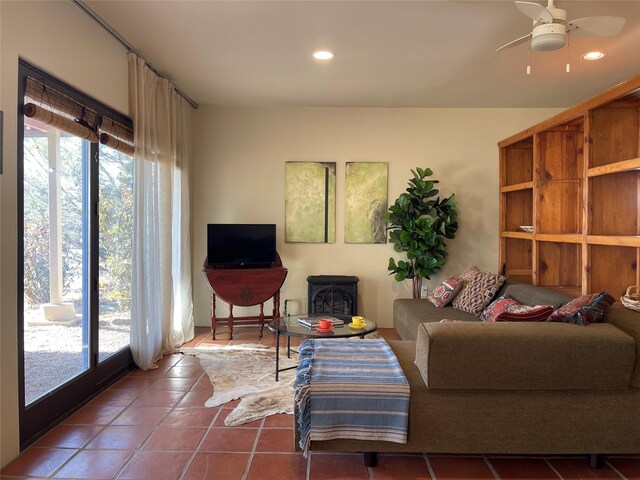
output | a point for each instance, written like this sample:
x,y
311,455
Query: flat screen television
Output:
x,y
241,245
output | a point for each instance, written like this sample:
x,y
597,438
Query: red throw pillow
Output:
x,y
495,308
525,313
445,292
506,309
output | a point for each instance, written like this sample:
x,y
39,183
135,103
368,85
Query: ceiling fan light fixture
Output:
x,y
593,56
323,55
548,36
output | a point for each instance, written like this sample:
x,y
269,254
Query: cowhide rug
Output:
x,y
247,372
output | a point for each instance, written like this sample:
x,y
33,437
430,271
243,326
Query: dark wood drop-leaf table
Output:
x,y
245,287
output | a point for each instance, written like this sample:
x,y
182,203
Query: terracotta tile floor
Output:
x,y
153,425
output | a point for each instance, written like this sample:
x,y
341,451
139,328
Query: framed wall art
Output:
x,y
310,202
365,202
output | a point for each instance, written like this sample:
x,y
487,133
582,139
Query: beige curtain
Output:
x,y
162,309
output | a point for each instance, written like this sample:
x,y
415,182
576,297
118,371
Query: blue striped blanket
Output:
x,y
351,389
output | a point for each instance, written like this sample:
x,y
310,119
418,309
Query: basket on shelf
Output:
x,y
631,299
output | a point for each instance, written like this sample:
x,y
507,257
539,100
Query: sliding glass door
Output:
x,y
115,220
75,230
56,239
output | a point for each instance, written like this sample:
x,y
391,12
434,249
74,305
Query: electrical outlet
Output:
x,y
424,291
291,306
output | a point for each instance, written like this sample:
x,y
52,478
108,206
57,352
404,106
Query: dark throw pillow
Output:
x,y
584,310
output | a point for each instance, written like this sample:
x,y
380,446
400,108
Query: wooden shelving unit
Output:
x,y
574,179
516,188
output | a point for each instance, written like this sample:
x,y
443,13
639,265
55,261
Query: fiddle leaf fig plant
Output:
x,y
418,225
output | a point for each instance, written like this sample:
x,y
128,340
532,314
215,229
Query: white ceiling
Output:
x,y
388,53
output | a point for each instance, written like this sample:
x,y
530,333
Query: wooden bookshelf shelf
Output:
x,y
623,166
521,235
615,240
576,179
516,187
559,237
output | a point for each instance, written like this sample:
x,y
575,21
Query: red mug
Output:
x,y
325,324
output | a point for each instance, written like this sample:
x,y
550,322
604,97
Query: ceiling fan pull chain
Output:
x,y
568,66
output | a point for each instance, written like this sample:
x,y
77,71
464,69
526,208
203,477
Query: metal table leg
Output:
x,y
278,353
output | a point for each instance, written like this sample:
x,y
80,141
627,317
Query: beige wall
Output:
x,y
239,165
62,40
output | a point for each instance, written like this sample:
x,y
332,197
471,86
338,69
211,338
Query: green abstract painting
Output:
x,y
365,202
310,202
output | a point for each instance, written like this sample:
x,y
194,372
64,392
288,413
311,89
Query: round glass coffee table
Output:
x,y
291,326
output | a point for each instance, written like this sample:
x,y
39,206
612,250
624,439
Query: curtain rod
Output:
x,y
86,9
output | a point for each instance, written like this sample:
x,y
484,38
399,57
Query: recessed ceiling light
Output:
x,y
593,56
323,55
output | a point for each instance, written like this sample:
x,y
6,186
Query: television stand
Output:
x,y
245,287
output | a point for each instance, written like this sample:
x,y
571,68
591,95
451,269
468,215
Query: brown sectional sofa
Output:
x,y
515,387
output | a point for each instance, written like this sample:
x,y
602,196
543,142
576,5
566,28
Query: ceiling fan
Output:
x,y
550,26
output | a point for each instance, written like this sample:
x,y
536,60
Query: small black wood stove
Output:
x,y
333,294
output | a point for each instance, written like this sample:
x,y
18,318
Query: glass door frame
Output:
x,y
39,416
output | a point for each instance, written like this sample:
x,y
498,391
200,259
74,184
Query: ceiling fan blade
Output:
x,y
515,42
535,11
597,26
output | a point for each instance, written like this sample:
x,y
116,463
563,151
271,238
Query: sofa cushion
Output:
x,y
533,295
584,310
444,293
629,322
478,291
409,313
524,356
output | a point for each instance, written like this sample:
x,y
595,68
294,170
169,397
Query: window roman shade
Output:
x,y
49,106
58,110
60,122
117,136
